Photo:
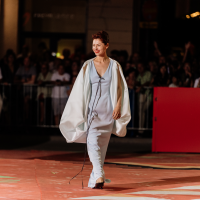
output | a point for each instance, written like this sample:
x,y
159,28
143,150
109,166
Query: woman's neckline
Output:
x,y
106,69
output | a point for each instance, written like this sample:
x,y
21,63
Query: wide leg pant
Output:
x,y
97,144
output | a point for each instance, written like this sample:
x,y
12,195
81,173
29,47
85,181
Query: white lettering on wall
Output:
x,y
55,16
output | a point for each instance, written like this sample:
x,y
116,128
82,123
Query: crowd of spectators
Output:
x,y
141,75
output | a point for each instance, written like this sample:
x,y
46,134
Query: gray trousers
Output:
x,y
97,144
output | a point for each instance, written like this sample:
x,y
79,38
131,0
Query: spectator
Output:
x,y
122,58
197,83
76,56
47,58
144,77
162,78
25,53
9,68
175,67
53,68
114,54
135,58
189,52
130,79
186,76
69,88
41,51
66,54
195,69
67,66
157,52
43,92
59,92
0,76
144,95
174,81
153,68
26,75
162,60
171,71
126,69
75,68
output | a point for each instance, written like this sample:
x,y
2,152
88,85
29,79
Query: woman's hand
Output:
x,y
116,113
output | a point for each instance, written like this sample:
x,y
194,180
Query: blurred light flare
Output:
x,y
195,14
58,54
53,54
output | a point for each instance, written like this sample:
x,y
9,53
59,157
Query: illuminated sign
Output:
x,y
54,16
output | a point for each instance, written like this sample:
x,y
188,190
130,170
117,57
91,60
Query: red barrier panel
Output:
x,y
176,120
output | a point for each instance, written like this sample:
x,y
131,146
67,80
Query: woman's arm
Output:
x,y
187,46
117,109
157,49
31,81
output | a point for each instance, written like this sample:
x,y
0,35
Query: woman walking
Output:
x,y
98,106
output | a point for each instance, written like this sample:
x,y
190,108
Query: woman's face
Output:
x,y
152,66
135,57
26,62
44,69
67,63
128,65
133,65
99,47
61,70
74,66
11,58
140,68
174,80
131,76
187,67
57,62
162,59
163,70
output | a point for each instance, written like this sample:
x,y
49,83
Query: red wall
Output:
x,y
176,120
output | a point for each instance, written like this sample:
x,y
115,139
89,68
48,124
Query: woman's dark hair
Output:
x,y
177,76
10,53
142,63
162,65
130,71
45,64
102,35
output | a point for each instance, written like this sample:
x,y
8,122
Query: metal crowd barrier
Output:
x,y
141,106
20,105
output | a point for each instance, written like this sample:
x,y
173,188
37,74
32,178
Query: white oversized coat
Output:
x,y
73,124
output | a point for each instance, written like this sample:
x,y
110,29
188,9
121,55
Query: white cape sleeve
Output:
x,y
119,128
72,120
